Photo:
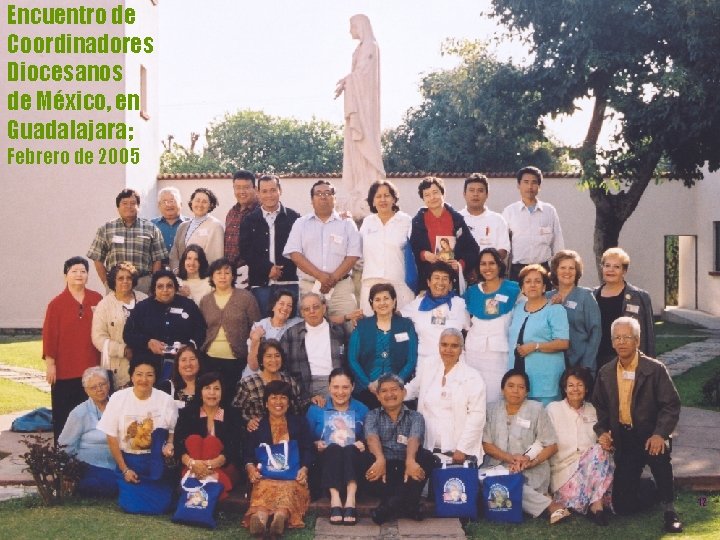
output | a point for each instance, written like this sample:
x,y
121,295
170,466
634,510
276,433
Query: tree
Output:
x,y
654,64
472,118
259,142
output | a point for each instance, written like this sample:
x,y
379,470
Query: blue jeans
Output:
x,y
263,295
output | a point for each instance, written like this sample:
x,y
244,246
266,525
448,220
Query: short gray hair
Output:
x,y
390,377
453,332
310,294
95,371
175,192
633,323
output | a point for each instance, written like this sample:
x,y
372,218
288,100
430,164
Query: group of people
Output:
x,y
196,356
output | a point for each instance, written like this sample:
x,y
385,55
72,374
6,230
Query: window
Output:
x,y
143,94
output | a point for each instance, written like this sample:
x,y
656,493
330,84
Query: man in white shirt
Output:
x,y
325,247
488,228
535,232
313,347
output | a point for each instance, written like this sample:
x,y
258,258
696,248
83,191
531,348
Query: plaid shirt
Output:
x,y
233,221
250,392
410,424
293,343
141,244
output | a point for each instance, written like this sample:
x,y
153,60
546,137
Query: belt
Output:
x,y
312,279
626,427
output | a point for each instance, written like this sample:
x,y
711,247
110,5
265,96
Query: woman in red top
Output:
x,y
440,233
67,346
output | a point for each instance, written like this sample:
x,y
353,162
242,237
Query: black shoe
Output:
x,y
599,518
381,514
672,522
416,514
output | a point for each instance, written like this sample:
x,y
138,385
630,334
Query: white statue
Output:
x,y
362,154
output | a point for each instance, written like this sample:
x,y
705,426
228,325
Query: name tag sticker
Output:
x,y
336,238
570,304
176,311
501,298
523,422
545,230
632,308
202,232
402,336
402,439
628,375
117,239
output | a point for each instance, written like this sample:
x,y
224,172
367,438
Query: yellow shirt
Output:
x,y
220,347
626,383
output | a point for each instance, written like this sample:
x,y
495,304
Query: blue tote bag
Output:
x,y
456,491
502,498
198,500
278,461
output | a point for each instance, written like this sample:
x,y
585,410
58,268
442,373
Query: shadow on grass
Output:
x,y
95,518
700,522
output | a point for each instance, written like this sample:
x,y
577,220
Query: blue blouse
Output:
x,y
544,369
492,305
316,418
81,437
584,319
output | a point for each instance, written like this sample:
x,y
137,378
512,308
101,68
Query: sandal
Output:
x,y
350,516
336,512
558,515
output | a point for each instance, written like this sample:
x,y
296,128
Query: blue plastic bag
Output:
x,y
34,421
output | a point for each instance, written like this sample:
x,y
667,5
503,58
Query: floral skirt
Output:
x,y
272,495
592,481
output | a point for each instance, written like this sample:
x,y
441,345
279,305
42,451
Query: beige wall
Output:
x,y
51,212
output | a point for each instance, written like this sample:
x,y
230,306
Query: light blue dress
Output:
x,y
583,316
544,369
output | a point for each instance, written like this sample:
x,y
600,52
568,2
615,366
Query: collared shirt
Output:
x,y
270,218
535,236
394,436
626,383
141,244
383,246
324,244
168,230
233,222
250,392
489,229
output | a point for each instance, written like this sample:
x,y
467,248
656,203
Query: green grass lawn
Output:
x,y
700,522
90,518
690,384
669,336
16,396
22,351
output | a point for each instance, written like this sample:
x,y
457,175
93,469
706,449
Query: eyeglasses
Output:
x,y
98,386
324,194
623,339
81,311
